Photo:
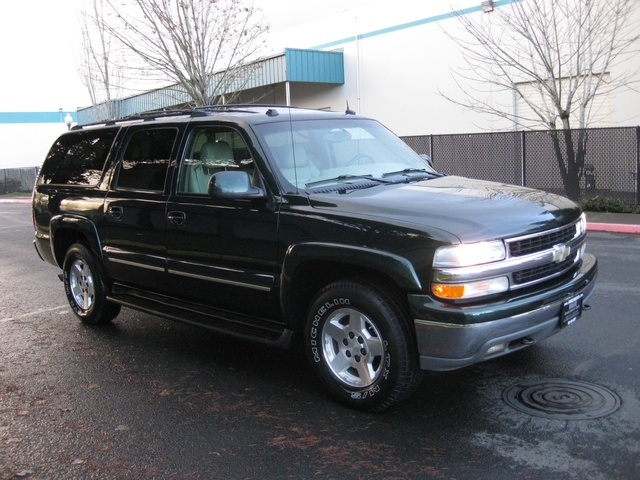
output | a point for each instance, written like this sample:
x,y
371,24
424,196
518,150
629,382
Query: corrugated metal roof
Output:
x,y
314,66
294,65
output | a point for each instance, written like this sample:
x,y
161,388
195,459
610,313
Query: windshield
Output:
x,y
320,153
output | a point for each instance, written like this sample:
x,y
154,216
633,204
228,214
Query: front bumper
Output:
x,y
454,336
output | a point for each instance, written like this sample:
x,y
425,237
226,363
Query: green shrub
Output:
x,y
609,205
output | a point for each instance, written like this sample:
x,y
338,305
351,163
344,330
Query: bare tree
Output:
x,y
101,75
205,46
553,56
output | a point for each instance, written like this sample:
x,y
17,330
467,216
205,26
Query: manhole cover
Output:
x,y
561,399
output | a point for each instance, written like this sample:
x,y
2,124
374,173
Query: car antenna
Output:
x,y
349,111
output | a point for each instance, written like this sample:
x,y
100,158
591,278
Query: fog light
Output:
x,y
496,348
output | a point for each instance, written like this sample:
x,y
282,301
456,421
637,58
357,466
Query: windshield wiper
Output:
x,y
407,171
343,178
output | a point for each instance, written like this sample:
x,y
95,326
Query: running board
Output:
x,y
236,325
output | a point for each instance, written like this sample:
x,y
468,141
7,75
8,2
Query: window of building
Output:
x,y
598,114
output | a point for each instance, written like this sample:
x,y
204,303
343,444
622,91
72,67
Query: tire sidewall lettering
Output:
x,y
384,376
316,325
317,320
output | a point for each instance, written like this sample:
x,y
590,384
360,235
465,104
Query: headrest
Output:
x,y
216,151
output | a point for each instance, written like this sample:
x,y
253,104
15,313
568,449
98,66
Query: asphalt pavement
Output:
x,y
148,398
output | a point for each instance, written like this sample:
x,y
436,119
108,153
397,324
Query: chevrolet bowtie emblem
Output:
x,y
560,252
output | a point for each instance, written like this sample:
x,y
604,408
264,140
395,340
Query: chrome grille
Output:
x,y
544,271
538,243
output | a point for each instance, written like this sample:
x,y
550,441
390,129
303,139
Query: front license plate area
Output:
x,y
571,311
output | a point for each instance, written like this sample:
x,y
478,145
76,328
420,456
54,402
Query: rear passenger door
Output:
x,y
221,253
134,228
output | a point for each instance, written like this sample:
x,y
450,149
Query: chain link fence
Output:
x,y
17,180
611,162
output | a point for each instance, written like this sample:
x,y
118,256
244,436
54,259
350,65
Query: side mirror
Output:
x,y
234,185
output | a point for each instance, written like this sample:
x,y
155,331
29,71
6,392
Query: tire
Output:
x,y
86,288
358,340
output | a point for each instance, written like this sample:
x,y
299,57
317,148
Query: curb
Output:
x,y
613,228
15,200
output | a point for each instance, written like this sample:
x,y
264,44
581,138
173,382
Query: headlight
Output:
x,y
468,254
581,226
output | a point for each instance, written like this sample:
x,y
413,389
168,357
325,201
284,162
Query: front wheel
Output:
x,y
359,342
86,288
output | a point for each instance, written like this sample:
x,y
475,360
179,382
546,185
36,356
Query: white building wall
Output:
x,y
399,72
26,144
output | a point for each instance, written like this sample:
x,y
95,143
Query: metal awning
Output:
x,y
293,65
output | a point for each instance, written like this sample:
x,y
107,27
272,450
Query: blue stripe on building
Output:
x,y
35,117
415,23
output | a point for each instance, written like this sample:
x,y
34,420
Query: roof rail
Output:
x,y
223,106
153,114
145,116
238,107
200,111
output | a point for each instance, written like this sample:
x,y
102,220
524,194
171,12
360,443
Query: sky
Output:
x,y
39,45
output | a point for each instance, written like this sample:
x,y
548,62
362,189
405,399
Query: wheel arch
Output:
x,y
310,266
69,229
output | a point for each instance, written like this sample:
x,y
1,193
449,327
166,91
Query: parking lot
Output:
x,y
149,398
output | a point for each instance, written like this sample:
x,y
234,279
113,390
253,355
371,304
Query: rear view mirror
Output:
x,y
234,185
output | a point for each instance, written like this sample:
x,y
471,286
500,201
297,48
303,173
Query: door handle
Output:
x,y
177,218
116,212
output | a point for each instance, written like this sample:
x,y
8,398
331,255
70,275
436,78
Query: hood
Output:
x,y
472,210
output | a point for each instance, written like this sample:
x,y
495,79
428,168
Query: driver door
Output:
x,y
221,253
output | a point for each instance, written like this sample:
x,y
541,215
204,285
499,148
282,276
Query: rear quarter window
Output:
x,y
77,158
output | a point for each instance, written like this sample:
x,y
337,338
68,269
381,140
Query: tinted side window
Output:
x,y
77,158
145,161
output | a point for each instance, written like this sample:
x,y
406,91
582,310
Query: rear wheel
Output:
x,y
359,342
85,286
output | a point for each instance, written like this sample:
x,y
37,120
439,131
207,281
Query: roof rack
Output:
x,y
153,114
200,111
145,117
235,106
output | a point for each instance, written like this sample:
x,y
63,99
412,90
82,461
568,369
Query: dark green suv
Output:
x,y
262,222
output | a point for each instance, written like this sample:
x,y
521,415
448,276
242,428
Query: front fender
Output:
x,y
393,266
